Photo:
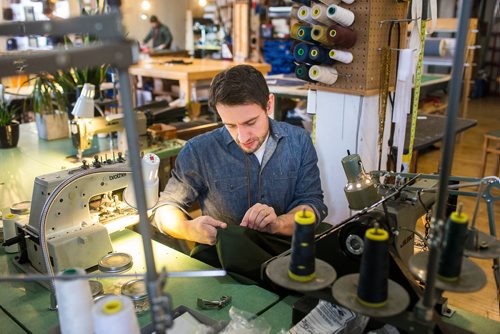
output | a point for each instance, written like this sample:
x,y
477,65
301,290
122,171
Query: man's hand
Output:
x,y
204,229
262,218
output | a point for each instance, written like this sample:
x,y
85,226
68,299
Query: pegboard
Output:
x,y
362,76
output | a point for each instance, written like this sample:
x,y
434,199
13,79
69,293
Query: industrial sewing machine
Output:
x,y
74,211
84,129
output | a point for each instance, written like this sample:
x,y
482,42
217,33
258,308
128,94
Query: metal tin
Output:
x,y
136,290
97,298
96,288
115,263
21,208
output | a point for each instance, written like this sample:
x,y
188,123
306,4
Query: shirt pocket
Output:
x,y
231,196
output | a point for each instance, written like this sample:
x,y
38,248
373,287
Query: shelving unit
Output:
x,y
449,25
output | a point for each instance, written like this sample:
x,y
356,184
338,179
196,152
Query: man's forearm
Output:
x,y
172,221
286,222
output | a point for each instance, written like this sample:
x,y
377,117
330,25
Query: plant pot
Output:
x,y
9,135
53,126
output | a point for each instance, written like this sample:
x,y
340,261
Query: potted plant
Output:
x,y
49,104
9,128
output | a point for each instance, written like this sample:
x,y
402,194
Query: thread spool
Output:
x,y
74,303
330,2
324,74
319,13
301,52
341,36
435,47
10,231
304,14
349,2
319,33
340,15
302,264
115,315
304,34
374,269
450,263
293,30
319,55
304,2
345,57
302,72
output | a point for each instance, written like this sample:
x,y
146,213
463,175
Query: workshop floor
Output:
x,y
467,162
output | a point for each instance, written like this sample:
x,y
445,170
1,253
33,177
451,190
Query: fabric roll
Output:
x,y
435,47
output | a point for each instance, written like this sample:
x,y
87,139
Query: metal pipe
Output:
x,y
159,317
447,153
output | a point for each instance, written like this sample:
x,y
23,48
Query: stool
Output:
x,y
494,138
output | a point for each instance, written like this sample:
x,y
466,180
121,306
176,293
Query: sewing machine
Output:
x,y
74,211
84,129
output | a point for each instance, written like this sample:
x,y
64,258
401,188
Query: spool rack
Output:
x,y
362,76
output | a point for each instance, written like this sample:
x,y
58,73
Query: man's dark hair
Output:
x,y
153,19
239,85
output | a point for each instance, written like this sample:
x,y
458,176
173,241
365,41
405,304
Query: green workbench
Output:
x,y
33,157
28,302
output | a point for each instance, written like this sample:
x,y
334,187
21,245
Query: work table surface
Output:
x,y
28,302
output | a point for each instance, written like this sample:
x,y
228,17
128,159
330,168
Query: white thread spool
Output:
x,y
325,74
340,15
304,14
348,1
74,303
345,57
150,165
319,13
115,315
10,231
330,2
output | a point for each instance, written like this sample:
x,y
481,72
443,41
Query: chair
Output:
x,y
491,145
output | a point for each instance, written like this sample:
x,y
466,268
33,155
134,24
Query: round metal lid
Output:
x,y
135,289
21,208
115,263
99,297
96,288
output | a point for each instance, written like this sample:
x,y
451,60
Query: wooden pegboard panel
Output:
x,y
364,71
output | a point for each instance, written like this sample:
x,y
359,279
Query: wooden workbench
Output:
x,y
187,74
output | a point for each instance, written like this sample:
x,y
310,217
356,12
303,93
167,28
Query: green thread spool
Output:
x,y
302,72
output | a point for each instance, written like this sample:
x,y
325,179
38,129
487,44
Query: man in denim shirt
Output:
x,y
254,172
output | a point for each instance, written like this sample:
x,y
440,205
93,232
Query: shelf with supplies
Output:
x,y
445,59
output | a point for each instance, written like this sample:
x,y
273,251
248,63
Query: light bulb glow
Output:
x,y
146,5
202,3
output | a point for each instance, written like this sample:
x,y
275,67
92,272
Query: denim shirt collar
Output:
x,y
276,132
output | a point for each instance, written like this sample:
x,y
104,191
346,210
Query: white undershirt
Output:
x,y
260,152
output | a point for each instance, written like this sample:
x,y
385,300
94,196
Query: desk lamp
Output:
x,y
359,190
84,106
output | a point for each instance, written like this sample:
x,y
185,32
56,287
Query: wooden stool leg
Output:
x,y
485,156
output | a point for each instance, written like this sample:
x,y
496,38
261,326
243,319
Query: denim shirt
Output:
x,y
214,170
